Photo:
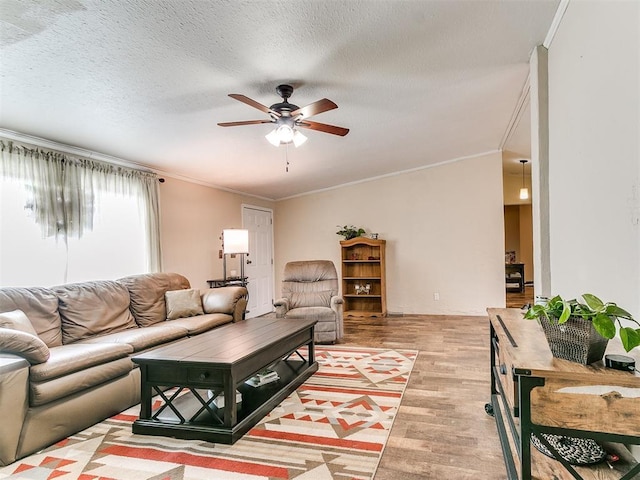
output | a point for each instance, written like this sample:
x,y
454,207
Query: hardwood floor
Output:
x,y
518,300
442,430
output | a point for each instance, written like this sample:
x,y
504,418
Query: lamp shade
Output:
x,y
235,240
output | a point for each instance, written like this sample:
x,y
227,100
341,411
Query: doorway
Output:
x,y
259,262
518,215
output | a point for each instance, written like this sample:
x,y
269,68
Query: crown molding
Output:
x,y
555,23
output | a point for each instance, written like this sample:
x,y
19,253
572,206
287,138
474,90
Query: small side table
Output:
x,y
228,282
514,276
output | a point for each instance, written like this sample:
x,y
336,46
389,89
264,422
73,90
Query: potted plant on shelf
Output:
x,y
349,231
580,331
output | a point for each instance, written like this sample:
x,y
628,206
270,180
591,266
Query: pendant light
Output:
x,y
524,191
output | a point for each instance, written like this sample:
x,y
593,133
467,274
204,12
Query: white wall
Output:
x,y
443,226
594,156
192,218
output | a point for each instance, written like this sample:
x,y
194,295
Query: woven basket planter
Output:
x,y
575,340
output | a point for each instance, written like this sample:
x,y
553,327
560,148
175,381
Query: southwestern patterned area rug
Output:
x,y
334,426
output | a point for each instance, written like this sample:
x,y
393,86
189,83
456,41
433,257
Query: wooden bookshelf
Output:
x,y
363,265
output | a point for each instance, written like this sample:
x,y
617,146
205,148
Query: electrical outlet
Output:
x,y
436,296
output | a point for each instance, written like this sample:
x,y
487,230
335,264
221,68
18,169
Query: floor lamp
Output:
x,y
235,241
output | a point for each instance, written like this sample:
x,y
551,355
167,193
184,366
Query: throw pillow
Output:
x,y
24,344
17,320
183,303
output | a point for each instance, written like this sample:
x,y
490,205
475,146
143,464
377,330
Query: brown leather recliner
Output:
x,y
310,290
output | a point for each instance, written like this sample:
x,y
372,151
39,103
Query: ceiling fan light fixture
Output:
x,y
298,138
273,138
284,134
287,117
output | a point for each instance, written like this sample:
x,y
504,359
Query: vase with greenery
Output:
x,y
565,321
349,231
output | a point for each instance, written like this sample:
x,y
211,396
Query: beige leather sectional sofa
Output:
x,y
65,352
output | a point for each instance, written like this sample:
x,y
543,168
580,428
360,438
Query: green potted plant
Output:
x,y
349,231
579,331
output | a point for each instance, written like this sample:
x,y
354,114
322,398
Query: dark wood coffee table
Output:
x,y
218,363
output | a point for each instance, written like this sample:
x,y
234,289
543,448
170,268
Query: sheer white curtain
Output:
x,y
72,219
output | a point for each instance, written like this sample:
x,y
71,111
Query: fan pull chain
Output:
x,y
286,156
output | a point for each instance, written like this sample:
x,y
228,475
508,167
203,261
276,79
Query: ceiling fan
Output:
x,y
287,117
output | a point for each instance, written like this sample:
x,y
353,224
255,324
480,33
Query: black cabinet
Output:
x,y
514,277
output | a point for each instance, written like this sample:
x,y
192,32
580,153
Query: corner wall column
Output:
x,y
539,95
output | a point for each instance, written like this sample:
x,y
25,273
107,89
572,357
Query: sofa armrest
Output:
x,y
282,307
230,300
14,403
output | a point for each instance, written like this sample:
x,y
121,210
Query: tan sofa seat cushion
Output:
x,y
40,305
67,359
202,323
48,391
142,338
147,295
93,308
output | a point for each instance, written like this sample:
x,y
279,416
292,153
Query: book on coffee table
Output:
x,y
263,378
219,400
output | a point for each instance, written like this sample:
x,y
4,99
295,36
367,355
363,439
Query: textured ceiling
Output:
x,y
416,82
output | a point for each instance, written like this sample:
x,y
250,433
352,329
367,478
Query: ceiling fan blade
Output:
x,y
315,108
246,122
253,103
323,127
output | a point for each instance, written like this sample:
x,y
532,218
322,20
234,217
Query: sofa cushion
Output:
x,y
17,320
147,295
67,359
93,308
48,391
202,323
28,346
40,305
183,303
142,338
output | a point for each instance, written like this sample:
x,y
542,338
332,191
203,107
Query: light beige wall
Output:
x,y
443,225
594,152
512,230
526,241
192,219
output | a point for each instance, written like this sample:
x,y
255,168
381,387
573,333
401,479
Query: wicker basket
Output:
x,y
575,340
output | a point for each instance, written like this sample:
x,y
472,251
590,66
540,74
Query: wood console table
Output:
x,y
532,392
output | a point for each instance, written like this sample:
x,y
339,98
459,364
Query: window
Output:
x,y
117,207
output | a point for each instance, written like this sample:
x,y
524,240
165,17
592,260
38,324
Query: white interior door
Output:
x,y
259,262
